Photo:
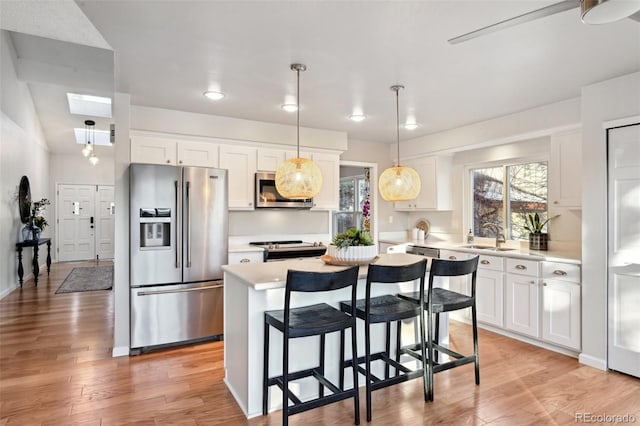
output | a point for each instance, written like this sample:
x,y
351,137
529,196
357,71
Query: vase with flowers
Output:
x,y
37,222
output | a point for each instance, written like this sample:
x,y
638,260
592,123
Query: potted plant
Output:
x,y
353,245
538,240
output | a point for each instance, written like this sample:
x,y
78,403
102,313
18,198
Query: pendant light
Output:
x,y
87,150
607,11
298,178
399,183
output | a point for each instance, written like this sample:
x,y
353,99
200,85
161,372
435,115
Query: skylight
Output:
x,y
101,136
95,106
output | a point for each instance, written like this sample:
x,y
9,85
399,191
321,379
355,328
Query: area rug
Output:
x,y
88,279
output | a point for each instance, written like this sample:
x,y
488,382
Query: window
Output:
x,y
353,192
503,195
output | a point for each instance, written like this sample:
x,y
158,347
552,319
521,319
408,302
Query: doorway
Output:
x,y
623,145
360,179
86,222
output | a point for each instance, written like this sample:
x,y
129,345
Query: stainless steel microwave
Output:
x,y
267,196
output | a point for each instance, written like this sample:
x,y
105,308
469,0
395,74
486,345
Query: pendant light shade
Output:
x,y
607,11
399,183
298,178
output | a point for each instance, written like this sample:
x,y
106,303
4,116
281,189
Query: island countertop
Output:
x,y
270,275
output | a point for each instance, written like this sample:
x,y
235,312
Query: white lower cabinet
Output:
x,y
458,284
561,300
490,290
522,297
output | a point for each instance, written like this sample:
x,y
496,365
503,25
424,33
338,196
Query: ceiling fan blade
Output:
x,y
520,19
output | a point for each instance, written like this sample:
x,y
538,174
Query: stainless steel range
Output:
x,y
290,249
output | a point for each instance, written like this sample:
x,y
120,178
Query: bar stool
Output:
x,y
439,300
314,320
384,309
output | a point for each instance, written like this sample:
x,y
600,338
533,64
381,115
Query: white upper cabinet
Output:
x,y
159,149
565,169
269,159
435,183
240,161
329,196
153,150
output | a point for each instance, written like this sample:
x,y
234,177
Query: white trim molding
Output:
x,y
594,362
120,351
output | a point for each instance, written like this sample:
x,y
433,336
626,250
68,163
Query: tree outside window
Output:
x,y
503,195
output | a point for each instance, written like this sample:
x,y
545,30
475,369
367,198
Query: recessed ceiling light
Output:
x,y
214,96
410,126
290,107
357,117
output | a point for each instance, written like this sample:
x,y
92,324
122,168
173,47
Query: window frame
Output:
x,y
504,163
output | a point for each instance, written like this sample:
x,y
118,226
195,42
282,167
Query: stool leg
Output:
x,y
285,378
425,360
475,342
430,354
436,337
354,366
367,364
342,366
398,334
387,349
265,371
320,385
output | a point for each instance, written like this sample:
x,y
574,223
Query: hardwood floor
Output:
x,y
56,369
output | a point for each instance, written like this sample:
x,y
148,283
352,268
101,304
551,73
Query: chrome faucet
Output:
x,y
496,230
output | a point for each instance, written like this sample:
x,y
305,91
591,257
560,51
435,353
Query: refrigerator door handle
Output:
x,y
188,214
177,227
182,290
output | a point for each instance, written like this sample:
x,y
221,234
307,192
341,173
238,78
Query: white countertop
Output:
x,y
244,248
264,276
565,256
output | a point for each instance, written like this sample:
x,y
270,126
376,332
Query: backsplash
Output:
x,y
278,222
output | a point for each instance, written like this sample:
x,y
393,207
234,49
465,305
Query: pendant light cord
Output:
x,y
398,123
298,110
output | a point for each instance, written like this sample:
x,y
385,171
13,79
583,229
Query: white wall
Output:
x,y
389,220
609,100
23,151
75,169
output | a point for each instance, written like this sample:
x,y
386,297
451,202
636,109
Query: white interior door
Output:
x,y
624,249
105,221
85,222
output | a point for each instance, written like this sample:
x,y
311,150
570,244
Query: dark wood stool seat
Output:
x,y
312,320
384,309
436,301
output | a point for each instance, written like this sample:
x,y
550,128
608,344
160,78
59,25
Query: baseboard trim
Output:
x,y
599,363
120,351
7,291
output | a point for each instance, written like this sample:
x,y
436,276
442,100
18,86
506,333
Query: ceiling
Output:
x,y
167,53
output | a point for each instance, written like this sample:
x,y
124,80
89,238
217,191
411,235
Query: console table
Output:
x,y
36,268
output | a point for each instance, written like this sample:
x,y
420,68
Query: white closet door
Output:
x,y
624,249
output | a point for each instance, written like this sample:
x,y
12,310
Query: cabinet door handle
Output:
x,y
245,260
168,161
544,284
559,272
532,282
521,267
485,262
452,258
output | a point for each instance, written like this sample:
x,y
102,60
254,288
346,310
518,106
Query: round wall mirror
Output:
x,y
24,199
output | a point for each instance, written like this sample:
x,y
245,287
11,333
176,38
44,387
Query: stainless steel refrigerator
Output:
x,y
179,230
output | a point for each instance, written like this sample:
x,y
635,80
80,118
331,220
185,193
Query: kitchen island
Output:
x,y
251,289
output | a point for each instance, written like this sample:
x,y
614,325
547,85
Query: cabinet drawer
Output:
x,y
246,257
492,263
453,255
522,267
561,271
